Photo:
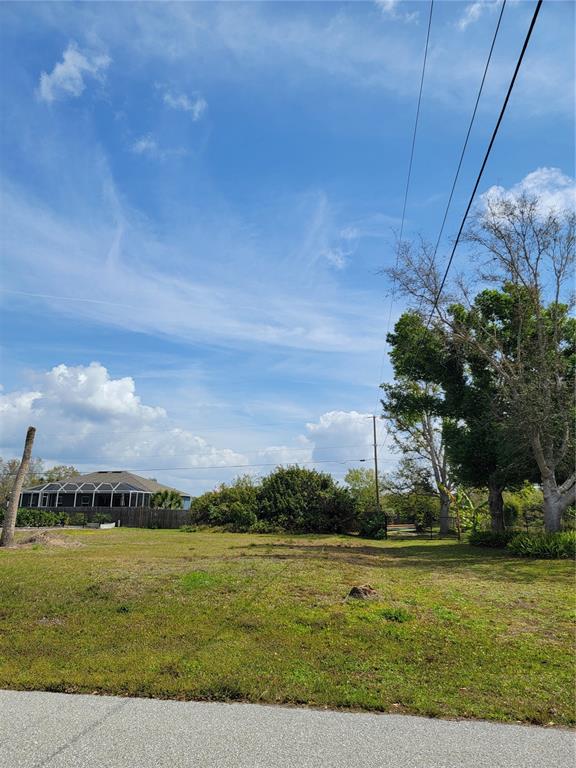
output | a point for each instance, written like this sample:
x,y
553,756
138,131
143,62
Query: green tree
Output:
x,y
523,331
59,473
413,408
8,470
369,520
234,505
481,446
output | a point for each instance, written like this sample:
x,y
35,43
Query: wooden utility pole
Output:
x,y
7,538
376,485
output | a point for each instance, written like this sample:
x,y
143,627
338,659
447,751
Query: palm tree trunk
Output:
x,y
9,524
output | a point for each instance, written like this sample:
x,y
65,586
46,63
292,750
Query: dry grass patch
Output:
x,y
47,539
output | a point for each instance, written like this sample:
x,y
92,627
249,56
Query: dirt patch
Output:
x,y
48,539
363,592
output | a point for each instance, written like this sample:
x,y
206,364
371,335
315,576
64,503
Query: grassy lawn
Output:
x,y
457,632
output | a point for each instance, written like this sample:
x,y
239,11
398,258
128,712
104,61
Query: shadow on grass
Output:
x,y
487,563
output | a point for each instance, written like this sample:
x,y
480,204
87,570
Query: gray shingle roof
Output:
x,y
114,477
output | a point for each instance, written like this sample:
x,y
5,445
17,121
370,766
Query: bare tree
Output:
x,y
419,435
7,538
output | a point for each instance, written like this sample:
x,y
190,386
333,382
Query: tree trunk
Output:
x,y
7,538
444,513
496,506
556,498
553,506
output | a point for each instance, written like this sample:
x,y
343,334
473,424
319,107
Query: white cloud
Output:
x,y
67,77
471,14
86,417
349,431
175,286
553,188
390,8
196,106
89,392
241,40
337,257
145,145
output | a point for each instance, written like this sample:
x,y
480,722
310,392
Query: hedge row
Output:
x,y
44,518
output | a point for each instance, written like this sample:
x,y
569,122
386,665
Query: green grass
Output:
x,y
457,631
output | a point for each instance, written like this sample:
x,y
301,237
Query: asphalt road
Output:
x,y
59,730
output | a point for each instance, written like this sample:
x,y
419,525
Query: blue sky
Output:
x,y
198,198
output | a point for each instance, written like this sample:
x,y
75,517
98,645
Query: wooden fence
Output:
x,y
129,517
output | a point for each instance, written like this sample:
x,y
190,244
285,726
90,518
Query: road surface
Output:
x,y
54,730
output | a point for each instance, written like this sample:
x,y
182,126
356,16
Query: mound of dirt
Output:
x,y
363,592
49,539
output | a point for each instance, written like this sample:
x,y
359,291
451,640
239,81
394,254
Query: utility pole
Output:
x,y
376,485
7,538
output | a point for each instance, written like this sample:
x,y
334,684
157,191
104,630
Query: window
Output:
x,y
85,501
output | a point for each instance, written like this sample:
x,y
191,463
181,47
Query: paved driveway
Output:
x,y
59,730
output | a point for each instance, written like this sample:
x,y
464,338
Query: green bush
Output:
x,y
231,506
305,501
492,539
372,523
101,517
38,518
545,545
263,526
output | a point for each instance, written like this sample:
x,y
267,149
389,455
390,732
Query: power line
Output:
x,y
227,466
256,451
485,161
224,466
465,145
241,466
417,119
408,177
199,430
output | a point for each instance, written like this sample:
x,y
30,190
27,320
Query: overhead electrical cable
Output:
x,y
226,466
409,174
465,145
484,162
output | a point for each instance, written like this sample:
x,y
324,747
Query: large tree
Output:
x,y
481,450
522,331
8,471
412,407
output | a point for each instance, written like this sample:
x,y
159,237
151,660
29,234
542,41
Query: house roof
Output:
x,y
106,480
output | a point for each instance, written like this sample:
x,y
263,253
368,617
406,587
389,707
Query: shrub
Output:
x,y
102,517
263,526
305,501
372,523
493,539
231,506
546,545
38,518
